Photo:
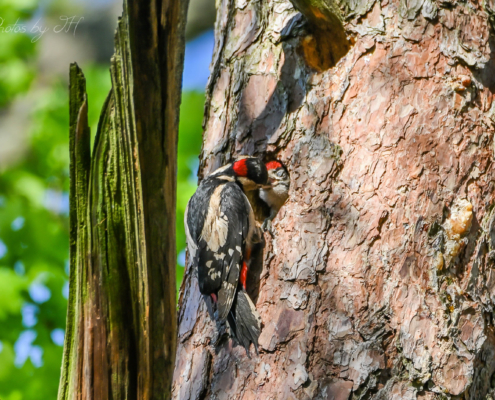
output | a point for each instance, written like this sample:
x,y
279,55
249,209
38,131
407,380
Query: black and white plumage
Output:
x,y
221,230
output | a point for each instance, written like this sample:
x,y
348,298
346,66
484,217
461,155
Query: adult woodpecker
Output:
x,y
221,231
277,192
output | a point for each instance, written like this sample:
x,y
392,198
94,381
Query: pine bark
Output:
x,y
379,281
121,324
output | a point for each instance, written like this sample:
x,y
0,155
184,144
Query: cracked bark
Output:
x,y
121,322
380,280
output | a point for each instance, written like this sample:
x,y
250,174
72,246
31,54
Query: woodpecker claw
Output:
x,y
268,227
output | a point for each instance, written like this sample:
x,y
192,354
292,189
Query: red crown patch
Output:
x,y
273,165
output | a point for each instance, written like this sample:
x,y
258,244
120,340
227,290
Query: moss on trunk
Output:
x,y
121,324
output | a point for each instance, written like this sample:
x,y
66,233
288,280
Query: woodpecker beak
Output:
x,y
271,182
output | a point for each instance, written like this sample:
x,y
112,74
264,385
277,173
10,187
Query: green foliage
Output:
x,y
34,232
16,50
33,240
190,138
34,210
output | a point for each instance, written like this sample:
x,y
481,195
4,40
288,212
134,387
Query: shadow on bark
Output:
x,y
254,132
486,75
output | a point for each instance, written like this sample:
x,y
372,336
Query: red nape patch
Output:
x,y
214,297
273,165
240,168
243,276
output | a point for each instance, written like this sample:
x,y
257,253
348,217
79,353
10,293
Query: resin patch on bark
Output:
x,y
457,226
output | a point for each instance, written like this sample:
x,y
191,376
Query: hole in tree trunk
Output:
x,y
322,51
328,41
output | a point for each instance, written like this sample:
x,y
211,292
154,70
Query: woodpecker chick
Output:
x,y
221,231
276,194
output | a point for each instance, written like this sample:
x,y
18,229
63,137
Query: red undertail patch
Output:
x,y
243,276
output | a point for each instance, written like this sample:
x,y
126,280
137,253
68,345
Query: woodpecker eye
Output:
x,y
281,173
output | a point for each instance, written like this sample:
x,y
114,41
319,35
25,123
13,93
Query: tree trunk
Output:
x,y
379,280
121,324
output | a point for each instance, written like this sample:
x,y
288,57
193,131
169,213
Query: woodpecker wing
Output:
x,y
221,244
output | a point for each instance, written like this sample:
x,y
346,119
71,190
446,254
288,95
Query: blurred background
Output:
x,y
38,40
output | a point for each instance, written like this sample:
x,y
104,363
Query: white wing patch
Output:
x,y
215,228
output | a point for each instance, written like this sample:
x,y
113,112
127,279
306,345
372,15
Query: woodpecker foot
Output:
x,y
268,227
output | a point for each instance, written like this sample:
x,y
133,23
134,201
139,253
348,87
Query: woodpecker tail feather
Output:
x,y
209,306
244,321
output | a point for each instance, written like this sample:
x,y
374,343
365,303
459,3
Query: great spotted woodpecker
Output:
x,y
221,231
277,192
